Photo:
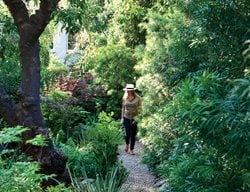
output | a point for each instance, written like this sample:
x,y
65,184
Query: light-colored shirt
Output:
x,y
131,107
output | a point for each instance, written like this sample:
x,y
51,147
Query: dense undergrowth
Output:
x,y
196,96
190,62
93,158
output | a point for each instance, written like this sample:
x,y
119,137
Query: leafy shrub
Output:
x,y
217,128
22,176
112,181
124,26
10,73
96,154
59,188
207,149
210,152
105,137
17,173
51,73
157,139
59,96
9,60
64,118
114,66
81,159
84,90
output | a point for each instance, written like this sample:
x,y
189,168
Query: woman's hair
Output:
x,y
125,95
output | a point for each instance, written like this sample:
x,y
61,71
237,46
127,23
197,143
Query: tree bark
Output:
x,y
28,112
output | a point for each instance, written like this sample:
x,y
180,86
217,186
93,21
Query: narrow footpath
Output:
x,y
140,179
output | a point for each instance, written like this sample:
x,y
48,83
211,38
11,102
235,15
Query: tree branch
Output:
x,y
18,11
7,107
41,18
31,27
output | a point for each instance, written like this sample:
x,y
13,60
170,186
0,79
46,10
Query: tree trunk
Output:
x,y
28,112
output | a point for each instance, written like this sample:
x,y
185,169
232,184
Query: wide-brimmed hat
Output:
x,y
129,87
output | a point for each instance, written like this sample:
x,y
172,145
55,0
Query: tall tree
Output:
x,y
26,111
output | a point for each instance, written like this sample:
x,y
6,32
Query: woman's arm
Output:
x,y
123,109
139,105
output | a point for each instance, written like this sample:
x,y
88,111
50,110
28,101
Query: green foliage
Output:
x,y
195,116
110,54
67,121
96,153
157,136
22,176
152,65
9,53
9,57
124,25
112,181
246,52
114,66
222,48
46,40
64,118
51,72
105,137
208,148
17,173
207,122
38,140
193,61
84,90
82,15
81,159
8,135
59,96
59,188
3,123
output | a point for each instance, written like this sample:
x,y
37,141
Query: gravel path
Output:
x,y
139,179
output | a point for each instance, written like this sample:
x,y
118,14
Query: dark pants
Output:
x,y
130,130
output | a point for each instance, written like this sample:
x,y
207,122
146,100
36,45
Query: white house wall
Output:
x,y
60,44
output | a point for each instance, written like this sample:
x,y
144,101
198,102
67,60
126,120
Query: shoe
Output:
x,y
132,152
126,148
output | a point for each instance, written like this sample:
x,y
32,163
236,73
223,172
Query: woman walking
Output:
x,y
131,105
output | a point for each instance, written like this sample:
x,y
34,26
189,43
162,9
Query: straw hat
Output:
x,y
129,87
